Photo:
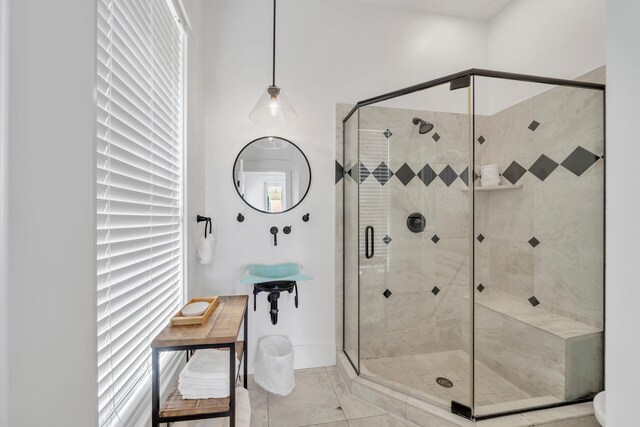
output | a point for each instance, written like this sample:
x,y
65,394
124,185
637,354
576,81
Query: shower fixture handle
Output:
x,y
416,222
369,245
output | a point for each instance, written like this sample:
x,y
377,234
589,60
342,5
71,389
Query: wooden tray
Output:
x,y
180,320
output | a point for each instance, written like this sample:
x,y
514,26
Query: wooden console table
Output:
x,y
219,331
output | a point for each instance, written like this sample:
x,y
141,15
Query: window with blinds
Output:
x,y
139,190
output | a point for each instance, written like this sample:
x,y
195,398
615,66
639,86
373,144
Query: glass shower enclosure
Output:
x,y
474,241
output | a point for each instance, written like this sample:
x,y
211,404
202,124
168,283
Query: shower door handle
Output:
x,y
369,242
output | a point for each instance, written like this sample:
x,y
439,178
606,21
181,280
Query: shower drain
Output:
x,y
444,382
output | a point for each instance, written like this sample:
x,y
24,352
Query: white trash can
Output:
x,y
274,365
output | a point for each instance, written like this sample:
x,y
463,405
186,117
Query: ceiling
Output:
x,y
481,10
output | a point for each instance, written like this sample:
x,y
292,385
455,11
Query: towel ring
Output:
x,y
207,221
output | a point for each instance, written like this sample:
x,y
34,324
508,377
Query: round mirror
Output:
x,y
271,174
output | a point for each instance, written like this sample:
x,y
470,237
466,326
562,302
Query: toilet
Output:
x,y
599,407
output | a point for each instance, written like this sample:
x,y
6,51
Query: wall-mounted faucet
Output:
x,y
274,231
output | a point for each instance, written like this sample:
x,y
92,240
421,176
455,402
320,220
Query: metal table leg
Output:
x,y
246,344
232,385
155,388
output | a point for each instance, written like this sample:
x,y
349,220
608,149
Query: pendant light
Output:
x,y
273,108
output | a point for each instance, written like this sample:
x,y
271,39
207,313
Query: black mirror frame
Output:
x,y
235,185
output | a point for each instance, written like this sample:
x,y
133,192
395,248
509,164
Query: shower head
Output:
x,y
425,127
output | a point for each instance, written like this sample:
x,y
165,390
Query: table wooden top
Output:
x,y
222,327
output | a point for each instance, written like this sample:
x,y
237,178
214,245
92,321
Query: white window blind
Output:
x,y
139,190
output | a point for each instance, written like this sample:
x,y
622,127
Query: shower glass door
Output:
x,y
539,246
410,177
351,296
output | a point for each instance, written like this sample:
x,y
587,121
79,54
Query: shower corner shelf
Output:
x,y
496,188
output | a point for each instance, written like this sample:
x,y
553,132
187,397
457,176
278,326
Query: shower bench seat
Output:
x,y
538,350
537,317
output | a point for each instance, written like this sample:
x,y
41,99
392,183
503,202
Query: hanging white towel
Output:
x,y
206,249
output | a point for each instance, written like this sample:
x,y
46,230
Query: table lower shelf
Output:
x,y
176,406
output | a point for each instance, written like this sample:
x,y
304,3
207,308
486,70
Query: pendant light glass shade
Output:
x,y
273,109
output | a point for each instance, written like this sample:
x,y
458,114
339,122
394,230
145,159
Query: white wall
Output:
x,y
623,208
4,147
52,347
329,51
562,39
195,146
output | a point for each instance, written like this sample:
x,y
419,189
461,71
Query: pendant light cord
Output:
x,y
274,45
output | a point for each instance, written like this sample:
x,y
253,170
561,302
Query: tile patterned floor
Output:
x,y
419,372
320,398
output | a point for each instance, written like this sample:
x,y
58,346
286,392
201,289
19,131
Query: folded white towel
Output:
x,y
489,182
189,390
206,249
195,391
189,393
199,382
206,375
196,388
210,395
210,363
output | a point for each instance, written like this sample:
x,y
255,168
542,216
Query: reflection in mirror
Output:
x,y
272,174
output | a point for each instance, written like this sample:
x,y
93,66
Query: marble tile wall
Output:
x,y
543,243
557,138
